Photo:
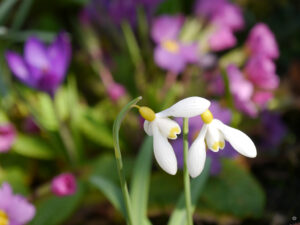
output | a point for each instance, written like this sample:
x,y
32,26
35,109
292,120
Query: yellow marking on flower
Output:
x,y
3,218
173,133
215,146
147,113
171,46
221,144
207,116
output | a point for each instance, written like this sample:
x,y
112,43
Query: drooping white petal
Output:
x,y
238,140
148,127
188,107
197,154
163,152
168,128
212,137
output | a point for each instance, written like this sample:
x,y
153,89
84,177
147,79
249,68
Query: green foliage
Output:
x,y
55,210
16,177
233,192
34,147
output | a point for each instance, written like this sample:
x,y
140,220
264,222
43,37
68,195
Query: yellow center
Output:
x,y
147,113
3,218
221,144
207,116
215,146
171,46
173,133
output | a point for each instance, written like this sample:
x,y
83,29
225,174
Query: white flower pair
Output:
x,y
213,132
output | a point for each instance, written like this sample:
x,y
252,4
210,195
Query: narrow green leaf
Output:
x,y
111,192
178,217
140,181
21,36
5,8
55,210
34,147
21,14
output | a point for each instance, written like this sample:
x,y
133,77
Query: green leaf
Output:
x,y
33,146
178,217
16,177
55,210
111,191
22,13
5,8
235,191
140,181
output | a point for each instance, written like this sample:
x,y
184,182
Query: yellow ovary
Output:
x,y
3,218
147,113
207,116
171,46
173,133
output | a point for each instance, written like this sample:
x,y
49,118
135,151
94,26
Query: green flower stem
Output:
x,y
118,156
186,178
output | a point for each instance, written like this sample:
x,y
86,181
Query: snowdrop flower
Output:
x,y
161,128
213,135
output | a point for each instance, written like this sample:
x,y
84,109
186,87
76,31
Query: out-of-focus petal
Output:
x,y
168,128
188,107
197,154
190,52
148,127
7,137
18,66
163,152
222,39
238,140
59,53
35,54
166,28
174,62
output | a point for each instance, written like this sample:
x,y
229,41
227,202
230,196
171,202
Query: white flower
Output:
x,y
161,128
188,107
214,133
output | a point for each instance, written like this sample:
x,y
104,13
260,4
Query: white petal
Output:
x,y
188,107
148,127
163,152
238,140
212,137
168,128
197,154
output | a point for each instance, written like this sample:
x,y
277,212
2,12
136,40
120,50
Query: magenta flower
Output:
x,y
262,72
42,68
195,124
262,41
116,91
64,184
170,53
7,137
221,13
14,209
222,39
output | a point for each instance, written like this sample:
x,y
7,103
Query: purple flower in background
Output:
x,y
42,67
262,72
14,209
222,39
116,91
7,137
170,53
195,124
64,184
273,129
262,41
30,126
221,13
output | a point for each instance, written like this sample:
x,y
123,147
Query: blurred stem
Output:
x,y
65,135
186,178
169,81
135,55
21,14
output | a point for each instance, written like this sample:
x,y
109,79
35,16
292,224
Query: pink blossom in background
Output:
x,y
262,41
7,137
116,91
222,39
14,209
170,53
64,184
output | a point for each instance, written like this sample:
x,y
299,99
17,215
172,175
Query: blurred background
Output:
x,y
67,68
